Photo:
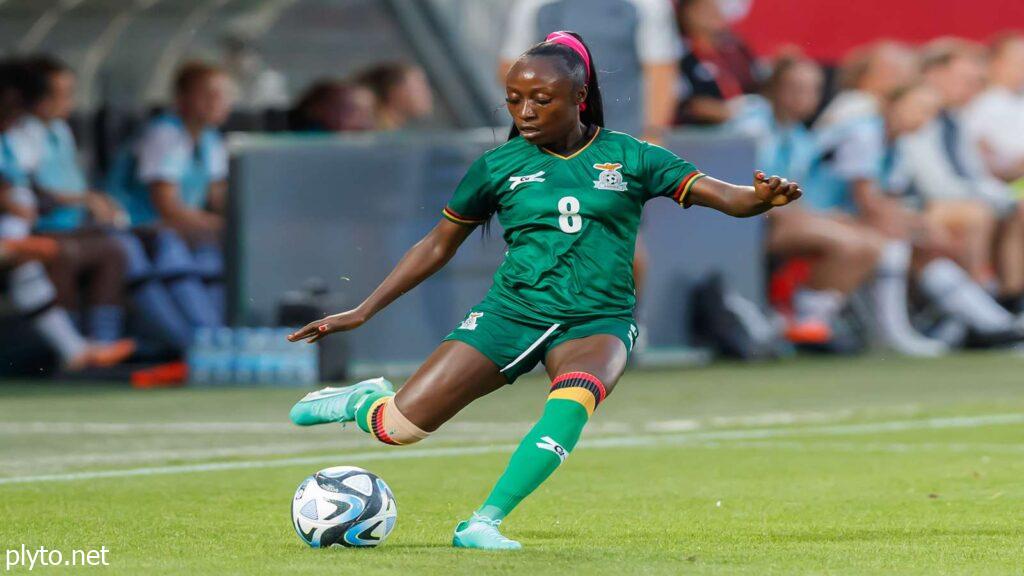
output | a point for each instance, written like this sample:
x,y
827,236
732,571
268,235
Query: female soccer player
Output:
x,y
568,194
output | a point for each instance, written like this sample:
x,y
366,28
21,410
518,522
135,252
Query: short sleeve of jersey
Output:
x,y
474,199
665,174
163,154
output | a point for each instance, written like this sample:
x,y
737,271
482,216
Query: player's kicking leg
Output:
x,y
452,377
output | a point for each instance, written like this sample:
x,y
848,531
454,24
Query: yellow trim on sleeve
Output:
x,y
454,217
688,185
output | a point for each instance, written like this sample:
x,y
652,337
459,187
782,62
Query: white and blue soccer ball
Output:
x,y
344,506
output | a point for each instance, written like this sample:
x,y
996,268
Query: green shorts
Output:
x,y
516,345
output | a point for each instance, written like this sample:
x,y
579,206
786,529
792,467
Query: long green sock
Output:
x,y
572,400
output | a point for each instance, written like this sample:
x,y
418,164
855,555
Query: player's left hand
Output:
x,y
776,190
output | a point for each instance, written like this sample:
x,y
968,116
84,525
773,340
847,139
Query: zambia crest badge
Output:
x,y
470,322
610,178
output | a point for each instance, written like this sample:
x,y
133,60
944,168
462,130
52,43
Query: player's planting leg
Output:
x,y
584,368
571,401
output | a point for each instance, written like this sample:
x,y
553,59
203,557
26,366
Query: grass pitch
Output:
x,y
817,466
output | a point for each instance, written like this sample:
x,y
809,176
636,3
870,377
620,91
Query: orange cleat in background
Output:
x,y
809,332
162,376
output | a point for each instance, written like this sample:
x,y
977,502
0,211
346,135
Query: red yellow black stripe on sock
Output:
x,y
684,186
376,417
580,387
460,219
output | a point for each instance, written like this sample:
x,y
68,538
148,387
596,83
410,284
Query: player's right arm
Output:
x,y
421,261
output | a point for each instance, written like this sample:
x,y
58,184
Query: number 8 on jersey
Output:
x,y
570,220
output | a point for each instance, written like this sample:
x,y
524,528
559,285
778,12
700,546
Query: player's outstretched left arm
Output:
x,y
744,201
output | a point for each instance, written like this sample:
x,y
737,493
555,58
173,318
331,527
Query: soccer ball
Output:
x,y
343,506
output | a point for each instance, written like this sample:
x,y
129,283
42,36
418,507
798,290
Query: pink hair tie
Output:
x,y
566,39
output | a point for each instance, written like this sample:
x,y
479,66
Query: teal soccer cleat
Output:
x,y
482,534
335,404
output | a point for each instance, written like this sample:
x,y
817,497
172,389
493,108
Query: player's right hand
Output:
x,y
317,329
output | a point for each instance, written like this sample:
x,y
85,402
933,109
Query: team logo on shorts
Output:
x,y
470,322
517,180
548,443
609,178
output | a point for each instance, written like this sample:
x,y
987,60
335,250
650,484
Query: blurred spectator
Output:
x,y
25,288
945,165
181,171
174,176
87,220
717,66
634,43
967,224
995,119
868,75
860,136
401,91
49,152
844,253
863,165
260,87
333,106
88,270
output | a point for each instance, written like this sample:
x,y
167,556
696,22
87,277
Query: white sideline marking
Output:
x,y
165,454
865,428
136,427
473,428
301,442
637,441
865,447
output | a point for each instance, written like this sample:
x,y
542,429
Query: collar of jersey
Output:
x,y
576,153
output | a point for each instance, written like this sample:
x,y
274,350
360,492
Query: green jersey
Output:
x,y
570,221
